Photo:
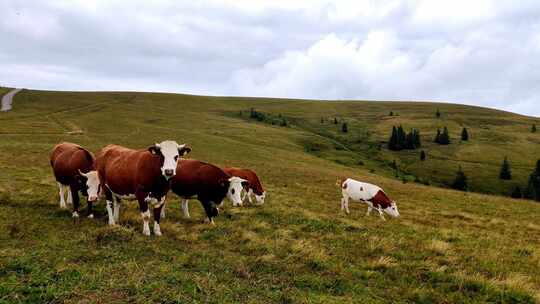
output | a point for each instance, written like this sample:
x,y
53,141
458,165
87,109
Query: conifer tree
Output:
x,y
402,138
505,173
438,136
344,128
335,120
445,137
322,120
460,183
416,139
422,155
533,186
533,128
516,193
464,135
438,113
391,113
392,143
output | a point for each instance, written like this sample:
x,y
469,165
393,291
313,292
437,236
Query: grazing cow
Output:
x,y
141,174
208,183
370,194
73,167
254,184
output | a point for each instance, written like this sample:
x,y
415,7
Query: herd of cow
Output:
x,y
147,175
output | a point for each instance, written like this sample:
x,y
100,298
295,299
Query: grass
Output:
x,y
447,247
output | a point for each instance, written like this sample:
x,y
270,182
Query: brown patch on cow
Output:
x,y
381,200
253,180
67,159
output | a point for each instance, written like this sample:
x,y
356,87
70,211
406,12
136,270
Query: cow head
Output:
x,y
236,184
89,183
169,152
392,210
260,198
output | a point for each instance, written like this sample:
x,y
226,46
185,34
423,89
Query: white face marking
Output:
x,y
169,150
392,210
260,198
92,185
234,194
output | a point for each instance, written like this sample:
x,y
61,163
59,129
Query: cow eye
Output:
x,y
232,191
176,158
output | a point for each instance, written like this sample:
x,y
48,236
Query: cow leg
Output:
x,y
381,215
116,211
74,194
185,208
143,199
346,205
157,215
207,208
162,215
61,190
70,197
109,206
249,194
368,210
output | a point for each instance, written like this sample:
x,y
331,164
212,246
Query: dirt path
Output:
x,y
7,100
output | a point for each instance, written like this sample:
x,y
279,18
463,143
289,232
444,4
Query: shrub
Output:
x,y
460,183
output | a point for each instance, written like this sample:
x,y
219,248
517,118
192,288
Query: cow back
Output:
x,y
67,159
196,178
249,175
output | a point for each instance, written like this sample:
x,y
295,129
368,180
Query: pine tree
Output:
x,y
460,183
416,139
438,137
516,193
409,141
391,113
402,138
464,135
533,128
438,113
392,143
444,138
344,128
533,186
422,155
322,120
505,173
335,120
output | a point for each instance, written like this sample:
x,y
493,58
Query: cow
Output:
x,y
73,167
141,174
370,194
254,184
209,183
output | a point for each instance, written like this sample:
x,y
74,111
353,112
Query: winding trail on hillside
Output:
x,y
7,100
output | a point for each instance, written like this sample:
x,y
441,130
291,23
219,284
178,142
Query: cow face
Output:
x,y
236,184
90,185
170,152
260,198
392,210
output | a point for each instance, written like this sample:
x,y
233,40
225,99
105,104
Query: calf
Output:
x,y
370,194
141,174
73,167
254,186
208,183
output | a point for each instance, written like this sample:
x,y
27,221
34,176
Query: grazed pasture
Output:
x,y
447,247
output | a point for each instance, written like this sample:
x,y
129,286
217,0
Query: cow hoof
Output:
x,y
75,214
63,206
91,216
157,232
111,223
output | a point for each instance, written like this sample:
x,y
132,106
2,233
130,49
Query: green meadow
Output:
x,y
447,246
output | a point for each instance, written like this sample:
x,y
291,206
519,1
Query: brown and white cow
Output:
x,y
254,186
209,183
142,174
370,194
73,167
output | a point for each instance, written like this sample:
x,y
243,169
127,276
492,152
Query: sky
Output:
x,y
479,52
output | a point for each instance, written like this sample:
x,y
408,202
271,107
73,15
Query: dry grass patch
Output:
x,y
438,246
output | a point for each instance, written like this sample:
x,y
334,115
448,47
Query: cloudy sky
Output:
x,y
474,52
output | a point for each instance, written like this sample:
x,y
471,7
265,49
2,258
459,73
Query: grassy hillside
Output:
x,y
447,247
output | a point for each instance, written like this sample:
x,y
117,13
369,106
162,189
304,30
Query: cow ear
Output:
x,y
183,150
154,150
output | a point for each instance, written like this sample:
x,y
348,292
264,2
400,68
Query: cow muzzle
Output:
x,y
168,173
92,199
